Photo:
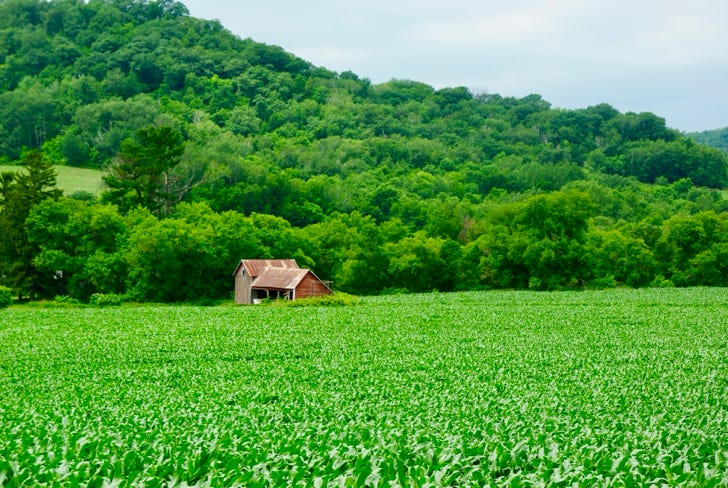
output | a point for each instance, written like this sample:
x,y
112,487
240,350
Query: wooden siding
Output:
x,y
243,280
311,286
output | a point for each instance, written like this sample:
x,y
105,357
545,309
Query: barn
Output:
x,y
258,279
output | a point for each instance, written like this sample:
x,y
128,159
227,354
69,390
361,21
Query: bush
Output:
x,y
338,299
602,283
661,282
66,300
106,299
6,297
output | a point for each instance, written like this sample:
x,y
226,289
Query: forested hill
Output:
x,y
714,138
78,78
220,148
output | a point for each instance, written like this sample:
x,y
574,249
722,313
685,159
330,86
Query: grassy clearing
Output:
x,y
620,387
71,179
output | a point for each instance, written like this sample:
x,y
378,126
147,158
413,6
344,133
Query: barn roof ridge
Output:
x,y
255,266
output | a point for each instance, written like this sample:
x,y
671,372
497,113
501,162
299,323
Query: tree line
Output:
x,y
573,238
218,148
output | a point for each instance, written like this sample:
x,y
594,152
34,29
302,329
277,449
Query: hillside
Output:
x,y
72,180
79,78
374,186
717,138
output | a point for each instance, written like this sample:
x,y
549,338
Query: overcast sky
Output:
x,y
664,56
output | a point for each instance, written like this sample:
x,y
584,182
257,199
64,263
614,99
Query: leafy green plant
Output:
x,y
338,299
66,300
6,297
661,282
106,299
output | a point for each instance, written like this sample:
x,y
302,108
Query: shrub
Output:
x,y
338,299
602,283
661,282
65,300
6,297
106,299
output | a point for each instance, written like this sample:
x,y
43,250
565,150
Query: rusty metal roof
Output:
x,y
278,278
255,266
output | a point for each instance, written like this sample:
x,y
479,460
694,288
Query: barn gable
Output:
x,y
311,286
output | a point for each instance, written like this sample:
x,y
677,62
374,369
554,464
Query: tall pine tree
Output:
x,y
140,175
19,193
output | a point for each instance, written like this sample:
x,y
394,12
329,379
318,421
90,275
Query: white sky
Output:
x,y
664,56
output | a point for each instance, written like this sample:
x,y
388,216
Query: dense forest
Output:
x,y
714,138
219,148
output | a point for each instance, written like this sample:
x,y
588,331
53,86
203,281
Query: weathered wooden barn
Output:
x,y
258,279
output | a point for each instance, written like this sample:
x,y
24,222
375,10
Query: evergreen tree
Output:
x,y
140,175
20,192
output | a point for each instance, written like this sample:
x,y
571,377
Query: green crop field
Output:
x,y
608,388
71,179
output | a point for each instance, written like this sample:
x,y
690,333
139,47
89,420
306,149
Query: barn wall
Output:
x,y
311,287
243,282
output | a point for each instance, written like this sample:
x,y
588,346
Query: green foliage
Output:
x,y
19,193
65,300
714,138
462,389
623,259
6,297
339,299
106,299
415,263
661,282
676,160
141,173
544,242
171,260
79,248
